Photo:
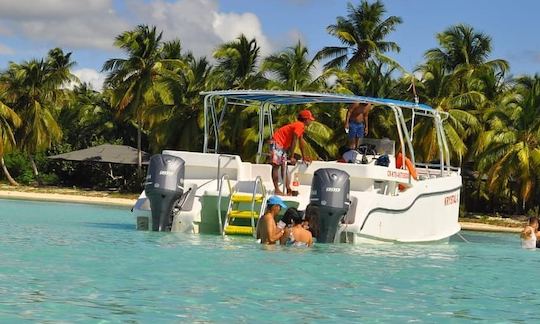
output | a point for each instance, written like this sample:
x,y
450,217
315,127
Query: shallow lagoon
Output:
x,y
82,263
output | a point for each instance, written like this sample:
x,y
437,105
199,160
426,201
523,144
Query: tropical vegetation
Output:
x,y
151,99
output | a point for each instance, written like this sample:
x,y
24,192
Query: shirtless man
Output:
x,y
267,229
356,122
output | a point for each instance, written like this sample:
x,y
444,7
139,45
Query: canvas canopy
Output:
x,y
106,153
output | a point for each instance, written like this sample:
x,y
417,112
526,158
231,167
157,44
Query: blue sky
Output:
x,y
28,28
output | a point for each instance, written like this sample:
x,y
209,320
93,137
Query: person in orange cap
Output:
x,y
284,141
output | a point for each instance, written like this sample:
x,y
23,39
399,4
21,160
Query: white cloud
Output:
x,y
199,24
93,32
76,24
229,26
91,76
24,9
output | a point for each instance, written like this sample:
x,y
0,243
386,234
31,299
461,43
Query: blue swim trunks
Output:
x,y
356,130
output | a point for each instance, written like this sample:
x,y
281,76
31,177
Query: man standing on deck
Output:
x,y
356,122
283,141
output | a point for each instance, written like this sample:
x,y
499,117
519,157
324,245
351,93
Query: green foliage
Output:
x,y
152,100
19,167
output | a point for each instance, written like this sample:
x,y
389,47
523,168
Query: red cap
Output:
x,y
306,114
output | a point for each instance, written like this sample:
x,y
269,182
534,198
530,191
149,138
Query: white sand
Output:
x,y
488,228
67,198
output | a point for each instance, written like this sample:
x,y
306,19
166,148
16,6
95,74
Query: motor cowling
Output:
x,y
330,192
163,187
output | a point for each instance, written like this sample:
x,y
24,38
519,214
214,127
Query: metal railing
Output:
x,y
220,190
258,181
218,177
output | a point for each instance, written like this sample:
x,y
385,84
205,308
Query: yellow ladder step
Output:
x,y
238,230
243,214
245,197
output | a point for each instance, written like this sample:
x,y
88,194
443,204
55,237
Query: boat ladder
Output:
x,y
247,202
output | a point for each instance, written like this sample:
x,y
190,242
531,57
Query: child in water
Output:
x,y
529,233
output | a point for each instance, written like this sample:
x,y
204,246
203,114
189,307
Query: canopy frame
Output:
x,y
269,99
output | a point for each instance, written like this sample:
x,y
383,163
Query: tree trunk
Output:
x,y
6,172
34,168
139,153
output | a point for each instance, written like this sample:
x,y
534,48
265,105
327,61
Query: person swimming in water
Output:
x,y
297,235
267,230
529,234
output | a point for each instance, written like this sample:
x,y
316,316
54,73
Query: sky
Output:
x,y
87,28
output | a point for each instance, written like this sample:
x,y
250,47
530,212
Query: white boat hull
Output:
x,y
423,211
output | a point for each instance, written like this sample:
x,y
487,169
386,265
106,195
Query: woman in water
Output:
x,y
528,235
297,235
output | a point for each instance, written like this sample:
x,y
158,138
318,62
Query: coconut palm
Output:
x,y
439,89
510,149
176,122
462,45
237,63
34,89
291,69
362,32
133,79
8,121
87,118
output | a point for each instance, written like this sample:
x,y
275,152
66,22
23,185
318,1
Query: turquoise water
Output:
x,y
80,263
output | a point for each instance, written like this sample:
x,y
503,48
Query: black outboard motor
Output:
x,y
330,192
164,186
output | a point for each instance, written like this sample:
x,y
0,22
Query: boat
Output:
x,y
363,201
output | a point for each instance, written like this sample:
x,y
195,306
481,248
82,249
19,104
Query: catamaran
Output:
x,y
363,201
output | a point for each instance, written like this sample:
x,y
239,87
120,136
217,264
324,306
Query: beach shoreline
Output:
x,y
69,198
129,203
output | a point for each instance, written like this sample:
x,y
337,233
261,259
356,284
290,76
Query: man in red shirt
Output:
x,y
283,141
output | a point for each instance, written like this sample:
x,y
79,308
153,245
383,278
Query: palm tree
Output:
x,y
439,89
134,79
462,45
8,121
237,64
291,69
363,34
88,118
510,149
177,121
34,88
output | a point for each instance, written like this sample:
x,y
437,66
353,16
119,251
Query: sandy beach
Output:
x,y
128,203
121,202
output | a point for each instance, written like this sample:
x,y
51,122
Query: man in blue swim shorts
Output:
x,y
356,122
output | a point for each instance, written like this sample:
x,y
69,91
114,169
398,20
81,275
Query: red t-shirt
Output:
x,y
284,135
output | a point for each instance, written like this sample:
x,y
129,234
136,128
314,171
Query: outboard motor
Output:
x,y
163,187
330,192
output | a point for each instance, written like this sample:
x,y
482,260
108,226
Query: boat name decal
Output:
x,y
333,189
450,200
398,174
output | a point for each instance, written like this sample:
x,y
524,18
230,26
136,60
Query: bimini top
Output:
x,y
297,98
